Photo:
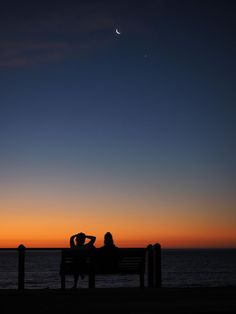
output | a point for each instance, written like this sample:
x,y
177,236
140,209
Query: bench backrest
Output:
x,y
132,260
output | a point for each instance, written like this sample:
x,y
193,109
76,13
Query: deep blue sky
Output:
x,y
162,93
154,105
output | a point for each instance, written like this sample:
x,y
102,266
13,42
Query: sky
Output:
x,y
132,133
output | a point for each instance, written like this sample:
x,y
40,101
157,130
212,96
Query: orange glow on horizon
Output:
x,y
45,234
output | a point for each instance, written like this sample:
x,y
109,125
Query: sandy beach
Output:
x,y
126,300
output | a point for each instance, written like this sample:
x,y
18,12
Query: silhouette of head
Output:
x,y
80,239
108,239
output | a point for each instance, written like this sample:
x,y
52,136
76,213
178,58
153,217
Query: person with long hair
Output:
x,y
108,253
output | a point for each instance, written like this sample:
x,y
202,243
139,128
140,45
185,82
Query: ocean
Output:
x,y
180,268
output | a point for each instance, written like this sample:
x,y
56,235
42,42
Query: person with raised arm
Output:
x,y
82,251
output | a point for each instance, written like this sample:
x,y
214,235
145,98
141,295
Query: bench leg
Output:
x,y
142,280
91,280
63,282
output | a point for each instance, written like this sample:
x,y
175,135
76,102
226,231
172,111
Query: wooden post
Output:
x,y
157,266
150,266
62,271
21,267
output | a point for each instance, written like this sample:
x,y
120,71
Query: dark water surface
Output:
x,y
180,268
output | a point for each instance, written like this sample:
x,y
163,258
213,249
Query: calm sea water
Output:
x,y
180,268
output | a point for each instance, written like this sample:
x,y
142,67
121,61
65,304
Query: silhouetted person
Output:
x,y
108,242
108,253
82,251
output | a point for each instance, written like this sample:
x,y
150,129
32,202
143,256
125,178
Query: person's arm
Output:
x,y
72,243
92,240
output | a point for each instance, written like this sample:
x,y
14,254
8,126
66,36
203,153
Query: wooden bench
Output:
x,y
130,261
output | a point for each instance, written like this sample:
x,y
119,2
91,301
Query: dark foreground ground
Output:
x,y
126,300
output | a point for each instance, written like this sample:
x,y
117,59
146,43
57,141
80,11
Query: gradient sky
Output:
x,y
132,133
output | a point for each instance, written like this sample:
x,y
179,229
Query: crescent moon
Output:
x,y
117,32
